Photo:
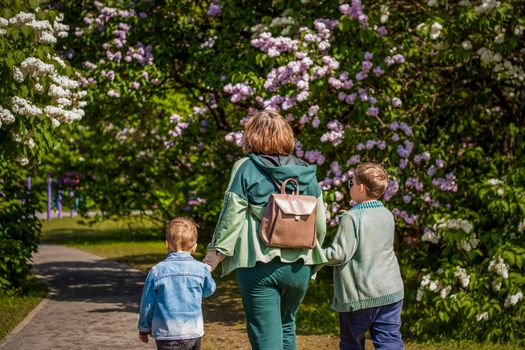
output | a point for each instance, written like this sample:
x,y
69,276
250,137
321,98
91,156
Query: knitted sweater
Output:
x,y
366,271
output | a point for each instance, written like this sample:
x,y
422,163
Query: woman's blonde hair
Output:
x,y
181,234
268,132
374,177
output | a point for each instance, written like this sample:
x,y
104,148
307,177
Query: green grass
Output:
x,y
15,307
140,243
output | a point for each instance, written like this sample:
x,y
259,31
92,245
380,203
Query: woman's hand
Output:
x,y
213,258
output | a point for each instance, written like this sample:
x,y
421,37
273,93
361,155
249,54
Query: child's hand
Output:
x,y
144,337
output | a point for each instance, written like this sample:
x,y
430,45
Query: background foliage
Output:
x,y
433,90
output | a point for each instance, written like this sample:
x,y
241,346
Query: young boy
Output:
x,y
368,286
170,307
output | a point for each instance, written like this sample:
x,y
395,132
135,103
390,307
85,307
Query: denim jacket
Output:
x,y
170,307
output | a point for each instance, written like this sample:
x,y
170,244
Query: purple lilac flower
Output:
x,y
214,10
363,95
370,144
239,92
341,96
407,199
389,61
316,122
314,156
378,71
372,100
372,112
396,102
431,171
361,76
335,168
366,66
406,129
393,126
403,164
368,56
135,85
381,31
355,11
399,58
355,159
350,99
360,146
339,196
274,46
440,163
304,119
391,189
236,137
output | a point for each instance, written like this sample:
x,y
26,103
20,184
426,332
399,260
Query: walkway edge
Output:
x,y
24,323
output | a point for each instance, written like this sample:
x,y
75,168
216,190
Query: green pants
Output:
x,y
271,295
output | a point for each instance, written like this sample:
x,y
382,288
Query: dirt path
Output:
x,y
93,304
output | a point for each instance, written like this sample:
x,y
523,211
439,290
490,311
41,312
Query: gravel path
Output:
x,y
93,304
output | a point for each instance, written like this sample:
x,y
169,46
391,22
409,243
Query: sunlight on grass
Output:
x,y
14,308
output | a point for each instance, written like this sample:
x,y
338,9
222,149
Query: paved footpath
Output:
x,y
93,304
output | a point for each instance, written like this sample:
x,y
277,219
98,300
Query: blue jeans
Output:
x,y
183,344
271,295
384,323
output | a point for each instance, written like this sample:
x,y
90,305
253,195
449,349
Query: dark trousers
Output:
x,y
384,323
183,344
271,295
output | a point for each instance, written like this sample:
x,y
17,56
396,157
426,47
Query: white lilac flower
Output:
x,y
465,226
462,276
498,266
30,143
55,122
435,30
464,245
521,226
484,316
487,6
6,117
500,192
385,13
18,75
518,31
420,293
23,107
445,291
47,38
486,55
22,160
3,22
495,182
3,31
57,92
467,45
513,299
35,67
64,81
425,280
433,286
430,236
495,285
21,19
433,3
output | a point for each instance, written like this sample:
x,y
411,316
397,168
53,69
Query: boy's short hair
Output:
x,y
374,177
268,132
181,233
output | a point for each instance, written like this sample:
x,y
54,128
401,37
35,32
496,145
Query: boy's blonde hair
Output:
x,y
181,234
374,177
268,132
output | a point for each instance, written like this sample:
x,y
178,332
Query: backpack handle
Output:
x,y
283,186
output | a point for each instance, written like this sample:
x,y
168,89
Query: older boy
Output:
x,y
170,307
367,281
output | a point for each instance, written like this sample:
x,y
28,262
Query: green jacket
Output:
x,y
236,235
366,271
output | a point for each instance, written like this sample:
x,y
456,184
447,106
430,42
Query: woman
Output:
x,y
273,281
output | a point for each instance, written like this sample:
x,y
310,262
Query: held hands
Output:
x,y
144,337
213,258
